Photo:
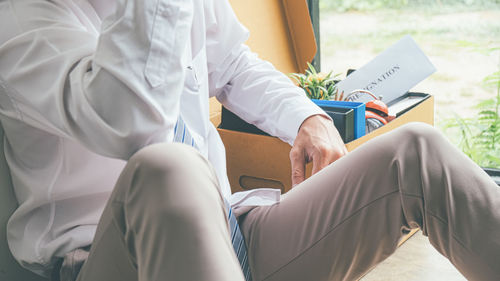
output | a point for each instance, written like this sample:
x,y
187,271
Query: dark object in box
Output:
x,y
406,102
494,174
343,119
231,121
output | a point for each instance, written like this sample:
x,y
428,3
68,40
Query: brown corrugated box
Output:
x,y
281,32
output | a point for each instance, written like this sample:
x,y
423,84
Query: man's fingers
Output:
x,y
297,158
324,157
318,164
344,150
320,160
318,141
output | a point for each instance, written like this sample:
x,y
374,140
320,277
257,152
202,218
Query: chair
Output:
x,y
10,270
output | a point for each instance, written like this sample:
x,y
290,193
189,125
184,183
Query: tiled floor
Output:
x,y
415,260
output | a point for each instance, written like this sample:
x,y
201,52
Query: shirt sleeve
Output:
x,y
116,91
248,86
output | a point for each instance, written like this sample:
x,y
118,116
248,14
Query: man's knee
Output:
x,y
167,158
174,169
169,181
418,132
408,144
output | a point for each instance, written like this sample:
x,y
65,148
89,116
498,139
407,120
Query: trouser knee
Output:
x,y
168,180
411,151
167,158
416,131
418,145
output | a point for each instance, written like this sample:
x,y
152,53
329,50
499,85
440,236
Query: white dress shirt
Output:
x,y
80,95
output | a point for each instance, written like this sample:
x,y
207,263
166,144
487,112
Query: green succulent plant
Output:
x,y
316,85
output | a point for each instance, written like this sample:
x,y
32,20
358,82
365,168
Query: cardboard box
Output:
x,y
255,161
281,32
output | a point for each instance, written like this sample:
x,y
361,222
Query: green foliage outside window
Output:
x,y
480,136
366,5
477,130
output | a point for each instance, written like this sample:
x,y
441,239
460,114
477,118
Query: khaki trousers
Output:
x,y
166,220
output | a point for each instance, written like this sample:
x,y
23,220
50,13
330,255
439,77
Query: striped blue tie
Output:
x,y
181,134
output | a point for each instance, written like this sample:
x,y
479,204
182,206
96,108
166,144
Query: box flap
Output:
x,y
280,32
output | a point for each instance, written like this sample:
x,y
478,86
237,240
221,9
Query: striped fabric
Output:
x,y
239,244
181,134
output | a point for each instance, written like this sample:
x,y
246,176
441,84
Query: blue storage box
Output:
x,y
359,113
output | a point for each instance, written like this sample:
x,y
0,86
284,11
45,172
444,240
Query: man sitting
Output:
x,y
105,111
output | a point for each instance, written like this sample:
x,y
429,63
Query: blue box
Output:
x,y
359,113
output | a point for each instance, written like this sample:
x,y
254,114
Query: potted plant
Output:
x,y
316,85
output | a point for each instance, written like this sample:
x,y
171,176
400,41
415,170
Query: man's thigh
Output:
x,y
109,258
334,226
165,220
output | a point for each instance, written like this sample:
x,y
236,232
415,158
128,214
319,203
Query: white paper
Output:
x,y
392,73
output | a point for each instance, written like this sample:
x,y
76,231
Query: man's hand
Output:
x,y
318,141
